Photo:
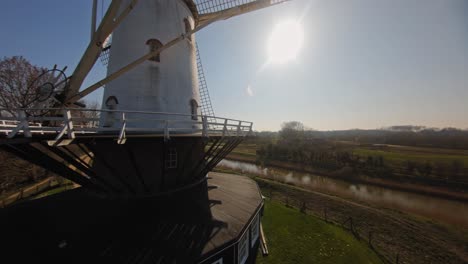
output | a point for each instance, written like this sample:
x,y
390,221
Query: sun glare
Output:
x,y
285,41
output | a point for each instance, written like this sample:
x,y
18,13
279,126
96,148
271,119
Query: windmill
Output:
x,y
149,152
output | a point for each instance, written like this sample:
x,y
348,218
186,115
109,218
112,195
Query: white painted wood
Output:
x,y
165,86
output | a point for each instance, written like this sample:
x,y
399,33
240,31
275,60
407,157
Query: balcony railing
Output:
x,y
71,122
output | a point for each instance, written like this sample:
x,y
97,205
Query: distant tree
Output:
x,y
424,169
292,130
380,161
456,168
441,170
89,113
410,166
16,83
428,168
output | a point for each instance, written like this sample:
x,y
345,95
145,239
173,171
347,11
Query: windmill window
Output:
x,y
154,44
188,28
194,109
171,158
111,102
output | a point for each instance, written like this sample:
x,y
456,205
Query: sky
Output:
x,y
363,64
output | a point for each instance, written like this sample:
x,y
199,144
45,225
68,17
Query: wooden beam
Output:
x,y
108,24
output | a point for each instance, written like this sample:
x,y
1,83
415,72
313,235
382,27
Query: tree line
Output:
x,y
294,143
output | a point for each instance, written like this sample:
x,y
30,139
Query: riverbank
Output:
x,y
445,211
394,234
440,192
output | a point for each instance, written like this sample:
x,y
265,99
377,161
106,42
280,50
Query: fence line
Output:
x,y
348,224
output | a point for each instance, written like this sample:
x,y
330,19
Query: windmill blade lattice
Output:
x,y
212,6
206,107
104,56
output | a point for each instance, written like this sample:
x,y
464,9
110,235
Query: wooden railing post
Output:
x,y
166,131
122,136
22,125
69,124
67,127
204,126
225,127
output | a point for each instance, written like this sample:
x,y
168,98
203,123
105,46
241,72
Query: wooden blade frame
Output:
x,y
90,56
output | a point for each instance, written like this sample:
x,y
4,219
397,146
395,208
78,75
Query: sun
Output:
x,y
285,41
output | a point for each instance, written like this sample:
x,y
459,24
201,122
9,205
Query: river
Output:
x,y
439,209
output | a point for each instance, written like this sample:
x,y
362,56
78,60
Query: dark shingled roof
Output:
x,y
80,227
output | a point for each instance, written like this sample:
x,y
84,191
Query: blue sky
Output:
x,y
364,63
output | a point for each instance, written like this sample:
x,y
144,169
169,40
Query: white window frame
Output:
x,y
243,247
255,230
153,45
171,158
194,109
188,27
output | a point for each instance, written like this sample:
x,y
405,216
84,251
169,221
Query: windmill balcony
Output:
x,y
72,122
123,159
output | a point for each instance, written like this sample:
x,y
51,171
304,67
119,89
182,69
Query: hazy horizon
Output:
x,y
372,128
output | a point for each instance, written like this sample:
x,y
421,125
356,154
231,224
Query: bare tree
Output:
x,y
292,130
88,113
20,84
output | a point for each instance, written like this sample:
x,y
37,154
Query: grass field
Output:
x,y
399,155
294,237
247,150
391,154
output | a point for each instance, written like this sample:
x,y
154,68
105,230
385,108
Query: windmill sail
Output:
x,y
205,7
219,9
204,13
206,107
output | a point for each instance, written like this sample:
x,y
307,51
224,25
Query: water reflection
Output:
x,y
443,210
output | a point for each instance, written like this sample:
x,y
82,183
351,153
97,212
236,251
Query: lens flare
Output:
x,y
285,41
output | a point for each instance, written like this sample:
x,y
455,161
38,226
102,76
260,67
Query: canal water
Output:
x,y
439,209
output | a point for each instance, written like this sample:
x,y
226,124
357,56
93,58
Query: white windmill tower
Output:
x,y
151,147
166,82
152,88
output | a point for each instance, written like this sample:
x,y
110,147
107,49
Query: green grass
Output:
x,y
393,155
247,150
294,237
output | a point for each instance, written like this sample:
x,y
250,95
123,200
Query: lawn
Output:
x,y
294,237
